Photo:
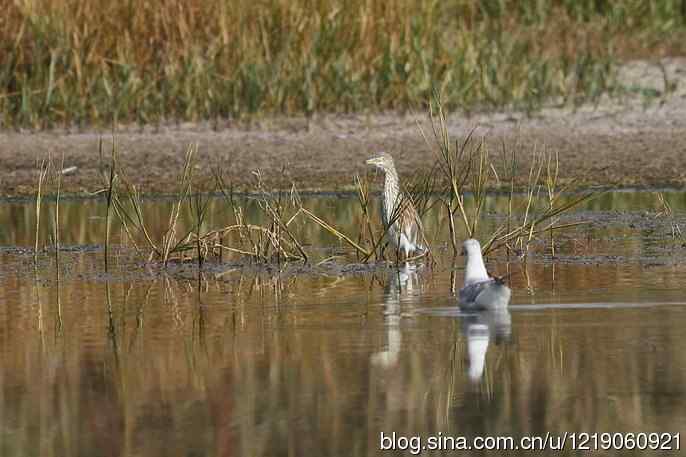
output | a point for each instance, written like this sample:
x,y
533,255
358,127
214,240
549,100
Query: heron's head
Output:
x,y
471,247
383,161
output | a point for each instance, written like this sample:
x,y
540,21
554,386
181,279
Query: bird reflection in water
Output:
x,y
402,282
480,328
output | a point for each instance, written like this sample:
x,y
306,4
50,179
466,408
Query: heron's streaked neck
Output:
x,y
475,270
391,188
391,191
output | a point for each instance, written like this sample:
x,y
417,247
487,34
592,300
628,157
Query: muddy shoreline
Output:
x,y
633,142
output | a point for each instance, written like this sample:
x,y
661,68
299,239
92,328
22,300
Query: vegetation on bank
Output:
x,y
272,234
73,62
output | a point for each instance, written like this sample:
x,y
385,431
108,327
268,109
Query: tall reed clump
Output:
x,y
50,175
74,62
271,240
469,169
125,201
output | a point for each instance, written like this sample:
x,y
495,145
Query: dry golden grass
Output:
x,y
66,61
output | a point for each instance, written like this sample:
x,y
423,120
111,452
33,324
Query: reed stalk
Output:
x,y
42,173
110,177
56,226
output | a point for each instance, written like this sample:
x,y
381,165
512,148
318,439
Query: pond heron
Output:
x,y
399,216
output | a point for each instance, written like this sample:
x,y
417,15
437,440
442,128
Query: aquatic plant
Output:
x,y
126,203
468,167
43,168
458,182
199,204
109,177
274,241
56,219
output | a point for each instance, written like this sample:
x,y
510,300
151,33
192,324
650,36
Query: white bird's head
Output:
x,y
384,161
471,248
475,270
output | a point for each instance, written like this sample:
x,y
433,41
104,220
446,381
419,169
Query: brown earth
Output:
x,y
638,141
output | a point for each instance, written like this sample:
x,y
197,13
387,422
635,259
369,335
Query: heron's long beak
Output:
x,y
373,161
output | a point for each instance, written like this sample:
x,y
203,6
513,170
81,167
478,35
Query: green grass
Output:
x,y
67,62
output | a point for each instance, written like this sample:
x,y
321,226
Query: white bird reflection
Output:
x,y
402,282
480,329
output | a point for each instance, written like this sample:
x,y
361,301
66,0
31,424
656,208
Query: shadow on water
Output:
x,y
231,360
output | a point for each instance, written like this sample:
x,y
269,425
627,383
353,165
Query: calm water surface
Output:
x,y
249,362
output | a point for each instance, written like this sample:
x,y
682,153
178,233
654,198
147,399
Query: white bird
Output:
x,y
399,216
481,291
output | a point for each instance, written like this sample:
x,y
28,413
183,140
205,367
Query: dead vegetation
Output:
x,y
456,187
